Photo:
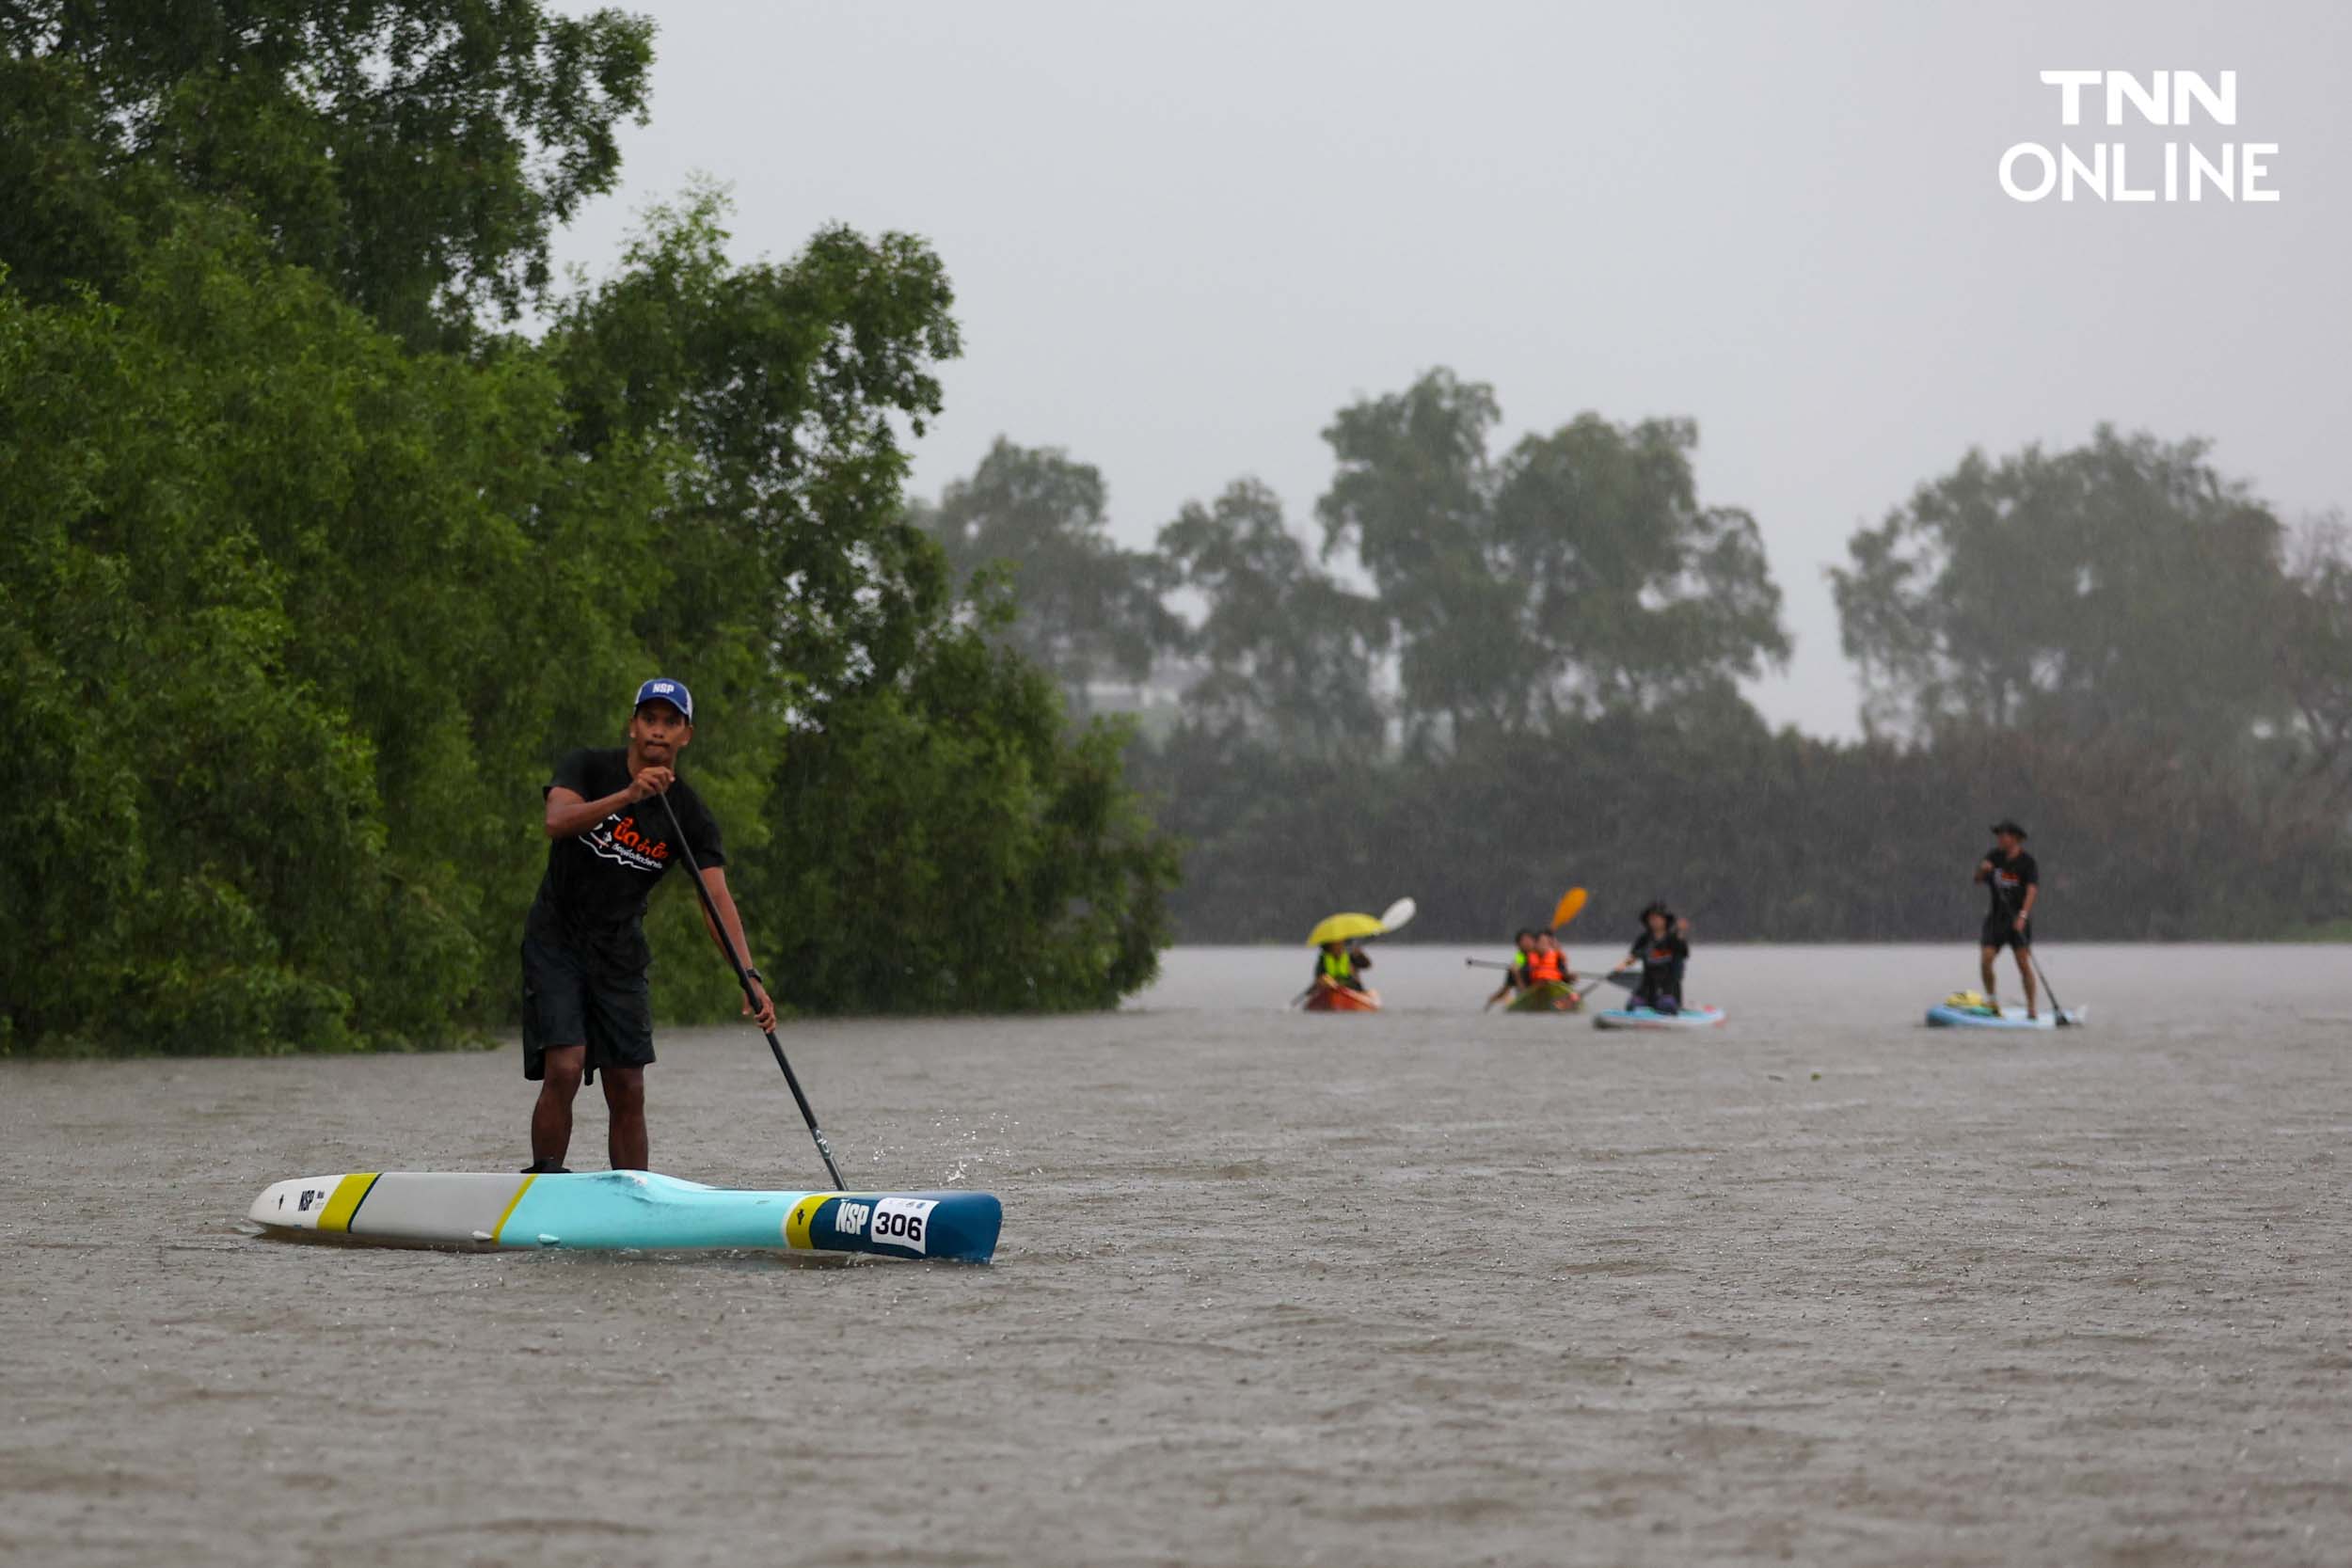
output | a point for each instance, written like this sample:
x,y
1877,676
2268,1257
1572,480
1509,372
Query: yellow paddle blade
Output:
x,y
1571,905
1341,927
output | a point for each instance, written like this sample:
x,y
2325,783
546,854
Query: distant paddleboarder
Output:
x,y
586,1005
2016,884
1662,953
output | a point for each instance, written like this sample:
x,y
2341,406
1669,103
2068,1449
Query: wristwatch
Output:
x,y
755,975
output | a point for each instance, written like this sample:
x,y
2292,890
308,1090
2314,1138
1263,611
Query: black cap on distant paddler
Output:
x,y
2009,825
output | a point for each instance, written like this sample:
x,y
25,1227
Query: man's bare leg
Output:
x,y
552,1117
1984,967
2025,971
625,1099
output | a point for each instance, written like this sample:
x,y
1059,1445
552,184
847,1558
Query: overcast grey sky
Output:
x,y
1183,236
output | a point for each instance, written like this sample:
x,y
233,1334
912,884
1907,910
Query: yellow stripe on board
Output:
x,y
498,1230
348,1192
803,1213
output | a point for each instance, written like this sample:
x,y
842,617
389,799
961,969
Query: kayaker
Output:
x,y
1663,952
1341,965
2016,884
1515,979
586,1005
1546,964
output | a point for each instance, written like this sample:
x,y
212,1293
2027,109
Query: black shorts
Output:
x,y
569,1002
2000,930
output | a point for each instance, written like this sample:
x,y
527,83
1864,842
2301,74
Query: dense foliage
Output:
x,y
308,572
1541,687
1035,523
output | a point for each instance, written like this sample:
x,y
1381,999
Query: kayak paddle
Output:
x,y
1396,915
1625,977
744,978
1571,905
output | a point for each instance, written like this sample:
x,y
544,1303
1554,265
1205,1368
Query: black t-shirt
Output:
x,y
2010,880
593,898
1659,954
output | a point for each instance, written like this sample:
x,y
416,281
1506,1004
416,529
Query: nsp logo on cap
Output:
x,y
663,689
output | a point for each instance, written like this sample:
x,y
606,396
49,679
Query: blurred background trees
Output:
x,y
1503,672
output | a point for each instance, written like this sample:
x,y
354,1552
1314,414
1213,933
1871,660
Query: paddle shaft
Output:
x,y
2057,1008
744,978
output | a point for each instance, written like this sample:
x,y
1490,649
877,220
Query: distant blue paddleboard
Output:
x,y
1944,1016
1642,1018
627,1209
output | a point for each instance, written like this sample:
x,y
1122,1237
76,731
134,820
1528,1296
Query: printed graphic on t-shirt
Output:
x,y
618,839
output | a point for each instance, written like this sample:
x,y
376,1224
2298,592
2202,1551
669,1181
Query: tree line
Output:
x,y
313,561
1531,676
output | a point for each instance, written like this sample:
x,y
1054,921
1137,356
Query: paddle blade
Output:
x,y
1571,905
1396,915
1342,928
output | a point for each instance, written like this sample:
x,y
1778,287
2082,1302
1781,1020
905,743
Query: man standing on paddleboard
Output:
x,y
586,1005
2016,883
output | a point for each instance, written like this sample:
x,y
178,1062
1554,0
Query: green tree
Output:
x,y
1633,595
1287,653
951,846
2314,652
1085,610
418,153
2124,583
1579,574
277,622
1412,496
299,610
894,794
792,567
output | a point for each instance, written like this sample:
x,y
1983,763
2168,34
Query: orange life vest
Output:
x,y
1545,968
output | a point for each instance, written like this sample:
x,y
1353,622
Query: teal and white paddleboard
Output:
x,y
1944,1016
1644,1017
626,1208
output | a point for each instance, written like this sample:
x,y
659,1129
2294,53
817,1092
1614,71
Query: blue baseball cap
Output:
x,y
663,689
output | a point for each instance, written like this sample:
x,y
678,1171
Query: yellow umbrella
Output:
x,y
1343,928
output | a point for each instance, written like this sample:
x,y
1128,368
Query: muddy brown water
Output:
x,y
1423,1286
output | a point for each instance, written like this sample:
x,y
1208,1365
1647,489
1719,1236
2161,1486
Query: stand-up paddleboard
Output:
x,y
1944,1015
1553,996
1642,1018
627,1209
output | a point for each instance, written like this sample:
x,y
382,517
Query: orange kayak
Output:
x,y
1338,999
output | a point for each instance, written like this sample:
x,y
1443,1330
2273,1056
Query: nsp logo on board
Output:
x,y
2198,169
892,1222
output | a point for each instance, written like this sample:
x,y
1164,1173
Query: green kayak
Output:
x,y
1554,996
